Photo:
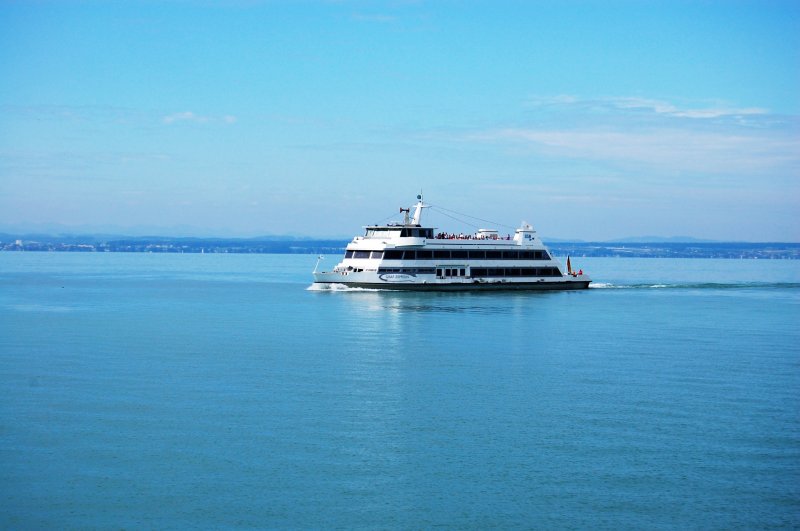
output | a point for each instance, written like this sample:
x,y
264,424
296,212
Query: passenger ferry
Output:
x,y
409,256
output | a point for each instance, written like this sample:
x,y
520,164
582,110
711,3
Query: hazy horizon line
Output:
x,y
18,235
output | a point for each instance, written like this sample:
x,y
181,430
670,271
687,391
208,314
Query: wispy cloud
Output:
x,y
666,108
71,165
94,114
186,116
647,105
659,135
665,149
193,118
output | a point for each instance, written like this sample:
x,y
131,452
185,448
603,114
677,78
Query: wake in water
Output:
x,y
701,285
337,288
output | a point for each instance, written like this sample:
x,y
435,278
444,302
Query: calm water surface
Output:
x,y
175,391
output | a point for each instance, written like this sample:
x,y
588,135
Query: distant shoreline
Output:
x,y
731,250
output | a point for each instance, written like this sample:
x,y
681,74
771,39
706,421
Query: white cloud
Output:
x,y
665,148
190,117
187,116
662,107
638,104
655,135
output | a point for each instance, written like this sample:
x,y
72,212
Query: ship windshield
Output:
x,y
382,232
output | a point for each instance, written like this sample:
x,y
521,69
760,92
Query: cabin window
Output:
x,y
410,255
377,254
441,255
361,254
393,255
348,254
511,255
493,255
478,271
477,255
424,255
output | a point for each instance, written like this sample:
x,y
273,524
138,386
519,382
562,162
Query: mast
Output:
x,y
418,211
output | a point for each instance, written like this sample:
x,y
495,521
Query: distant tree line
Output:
x,y
308,246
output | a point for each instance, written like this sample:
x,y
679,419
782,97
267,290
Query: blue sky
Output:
x,y
591,120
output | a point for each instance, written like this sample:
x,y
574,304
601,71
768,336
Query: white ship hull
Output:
x,y
371,280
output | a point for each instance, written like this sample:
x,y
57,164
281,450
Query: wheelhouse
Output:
x,y
392,231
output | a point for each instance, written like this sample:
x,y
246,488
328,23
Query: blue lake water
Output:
x,y
217,391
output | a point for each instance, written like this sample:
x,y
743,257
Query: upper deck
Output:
x,y
411,233
405,236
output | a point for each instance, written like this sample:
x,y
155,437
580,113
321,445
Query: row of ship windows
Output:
x,y
446,254
408,270
516,272
477,271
